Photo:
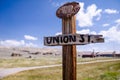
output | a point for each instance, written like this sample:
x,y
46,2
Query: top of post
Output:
x,y
68,10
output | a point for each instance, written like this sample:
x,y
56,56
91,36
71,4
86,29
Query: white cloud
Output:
x,y
12,43
112,34
58,33
28,37
15,43
111,11
85,16
86,31
105,25
117,21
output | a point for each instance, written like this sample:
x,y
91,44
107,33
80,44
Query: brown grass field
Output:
x,y
94,71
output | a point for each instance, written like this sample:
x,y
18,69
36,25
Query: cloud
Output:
x,y
85,16
105,25
28,37
12,43
112,34
111,11
86,31
117,21
15,43
58,33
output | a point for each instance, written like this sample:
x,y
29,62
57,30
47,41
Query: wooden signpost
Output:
x,y
69,39
72,39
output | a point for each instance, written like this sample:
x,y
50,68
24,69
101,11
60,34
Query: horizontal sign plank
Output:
x,y
72,39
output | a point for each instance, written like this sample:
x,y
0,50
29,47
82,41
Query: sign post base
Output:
x,y
69,62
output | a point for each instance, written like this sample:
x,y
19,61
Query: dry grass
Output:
x,y
96,71
26,62
44,60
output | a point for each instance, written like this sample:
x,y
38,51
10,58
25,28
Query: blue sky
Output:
x,y
26,22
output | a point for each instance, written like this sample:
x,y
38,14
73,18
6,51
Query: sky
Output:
x,y
24,23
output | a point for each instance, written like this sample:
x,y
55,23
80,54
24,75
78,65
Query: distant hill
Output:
x,y
29,52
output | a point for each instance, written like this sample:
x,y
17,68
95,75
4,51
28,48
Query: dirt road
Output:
x,y
8,71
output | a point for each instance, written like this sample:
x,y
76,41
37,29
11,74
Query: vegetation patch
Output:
x,y
43,60
94,71
26,62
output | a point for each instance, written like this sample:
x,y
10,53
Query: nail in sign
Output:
x,y
68,10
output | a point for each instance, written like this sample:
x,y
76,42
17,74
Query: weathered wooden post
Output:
x,y
69,51
67,13
69,39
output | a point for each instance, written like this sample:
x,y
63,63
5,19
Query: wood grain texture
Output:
x,y
69,51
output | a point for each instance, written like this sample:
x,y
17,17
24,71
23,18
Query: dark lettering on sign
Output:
x,y
61,40
82,38
78,39
65,39
56,39
72,38
88,38
68,10
49,40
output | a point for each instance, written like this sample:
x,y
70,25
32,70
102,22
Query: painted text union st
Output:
x,y
78,39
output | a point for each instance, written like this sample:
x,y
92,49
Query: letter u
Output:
x,y
49,40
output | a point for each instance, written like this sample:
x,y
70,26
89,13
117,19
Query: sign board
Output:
x,y
71,39
68,10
